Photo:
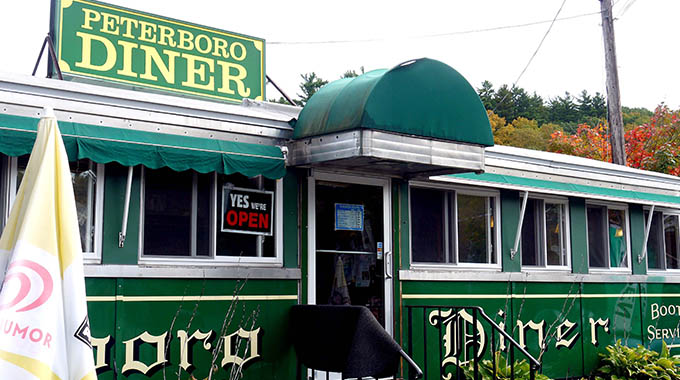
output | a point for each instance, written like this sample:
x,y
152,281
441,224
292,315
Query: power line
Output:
x,y
533,55
438,35
540,43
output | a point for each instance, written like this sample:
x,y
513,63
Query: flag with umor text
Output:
x,y
44,329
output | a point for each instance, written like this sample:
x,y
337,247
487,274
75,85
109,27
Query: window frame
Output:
x,y
610,206
93,257
664,212
566,235
492,194
212,259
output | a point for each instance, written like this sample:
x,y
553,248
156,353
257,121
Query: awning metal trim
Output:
x,y
630,198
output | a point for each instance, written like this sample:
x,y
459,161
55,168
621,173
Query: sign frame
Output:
x,y
211,73
271,211
348,208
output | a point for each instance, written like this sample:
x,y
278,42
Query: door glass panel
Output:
x,y
349,246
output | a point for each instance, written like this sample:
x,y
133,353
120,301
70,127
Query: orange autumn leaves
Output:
x,y
651,146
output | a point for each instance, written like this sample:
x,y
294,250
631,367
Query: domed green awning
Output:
x,y
419,98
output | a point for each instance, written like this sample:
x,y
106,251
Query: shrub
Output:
x,y
626,363
503,370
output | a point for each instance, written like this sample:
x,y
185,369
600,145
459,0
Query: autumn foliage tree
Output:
x,y
651,146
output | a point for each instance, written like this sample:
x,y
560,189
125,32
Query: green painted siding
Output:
x,y
290,219
548,316
114,202
622,312
575,320
125,308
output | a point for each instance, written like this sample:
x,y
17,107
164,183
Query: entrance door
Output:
x,y
350,260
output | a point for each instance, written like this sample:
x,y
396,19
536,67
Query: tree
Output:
x,y
651,146
503,103
656,145
632,117
589,142
309,86
351,73
486,95
496,121
563,109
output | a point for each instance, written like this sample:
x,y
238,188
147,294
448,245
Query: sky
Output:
x,y
490,40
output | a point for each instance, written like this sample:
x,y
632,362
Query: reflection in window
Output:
x,y
450,227
607,246
544,237
175,205
663,244
182,215
84,180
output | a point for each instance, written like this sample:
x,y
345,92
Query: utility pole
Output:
x,y
613,93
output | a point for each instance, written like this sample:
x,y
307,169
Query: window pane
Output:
x,y
670,223
167,212
241,244
597,243
84,179
555,222
203,212
333,233
427,225
475,216
617,239
655,247
532,234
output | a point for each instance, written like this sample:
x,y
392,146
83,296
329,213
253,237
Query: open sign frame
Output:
x,y
247,211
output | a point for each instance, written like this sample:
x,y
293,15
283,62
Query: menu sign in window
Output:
x,y
247,211
349,217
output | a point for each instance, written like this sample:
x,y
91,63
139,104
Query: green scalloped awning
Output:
x,y
422,97
539,185
153,150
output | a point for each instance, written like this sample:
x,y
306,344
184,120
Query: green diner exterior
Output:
x,y
384,191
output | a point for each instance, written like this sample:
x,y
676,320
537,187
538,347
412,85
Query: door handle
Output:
x,y
388,264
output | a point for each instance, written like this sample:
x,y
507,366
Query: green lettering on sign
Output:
x,y
108,42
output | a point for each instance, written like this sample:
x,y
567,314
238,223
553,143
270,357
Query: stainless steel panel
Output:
x,y
387,153
133,109
190,271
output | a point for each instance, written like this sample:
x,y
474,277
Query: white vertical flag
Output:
x,y
44,329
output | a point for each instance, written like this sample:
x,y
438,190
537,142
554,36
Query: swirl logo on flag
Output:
x,y
22,275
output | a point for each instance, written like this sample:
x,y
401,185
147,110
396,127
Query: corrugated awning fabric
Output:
x,y
539,185
153,150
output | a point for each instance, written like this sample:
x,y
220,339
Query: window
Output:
x,y
453,226
663,244
544,234
607,236
211,217
88,188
